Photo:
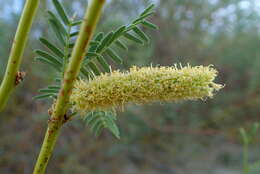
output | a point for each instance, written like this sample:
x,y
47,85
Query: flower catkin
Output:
x,y
144,85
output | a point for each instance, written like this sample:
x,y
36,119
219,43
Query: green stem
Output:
x,y
245,159
66,51
15,58
87,29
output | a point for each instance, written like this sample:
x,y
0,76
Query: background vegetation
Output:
x,y
190,137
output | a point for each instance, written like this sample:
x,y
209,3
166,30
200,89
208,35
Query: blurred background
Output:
x,y
184,138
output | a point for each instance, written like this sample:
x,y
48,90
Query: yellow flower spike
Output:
x,y
144,85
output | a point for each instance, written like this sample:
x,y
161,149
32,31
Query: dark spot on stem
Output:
x,y
88,29
69,92
50,131
67,81
62,92
82,57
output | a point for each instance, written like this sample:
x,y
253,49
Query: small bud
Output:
x,y
50,111
19,77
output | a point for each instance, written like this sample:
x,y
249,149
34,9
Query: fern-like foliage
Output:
x,y
102,119
95,61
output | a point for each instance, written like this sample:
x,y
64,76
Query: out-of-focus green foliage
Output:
x,y
185,137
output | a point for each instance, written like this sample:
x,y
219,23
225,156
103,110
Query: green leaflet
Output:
x,y
85,72
97,39
99,36
74,33
61,12
99,120
52,47
50,57
148,9
142,17
133,38
48,62
58,23
57,31
141,34
105,42
103,63
43,96
94,68
76,23
121,45
118,33
54,87
91,54
114,56
149,25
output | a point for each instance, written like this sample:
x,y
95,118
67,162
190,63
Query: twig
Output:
x,y
87,29
10,79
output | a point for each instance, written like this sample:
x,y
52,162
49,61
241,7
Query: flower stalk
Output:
x,y
60,108
15,58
